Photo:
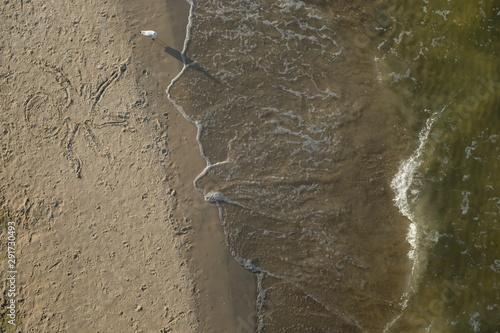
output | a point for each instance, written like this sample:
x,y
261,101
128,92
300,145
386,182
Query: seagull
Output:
x,y
150,34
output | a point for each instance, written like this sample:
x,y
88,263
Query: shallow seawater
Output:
x,y
305,111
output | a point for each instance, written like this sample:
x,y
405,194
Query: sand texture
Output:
x,y
101,207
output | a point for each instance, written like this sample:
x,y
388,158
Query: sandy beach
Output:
x,y
96,175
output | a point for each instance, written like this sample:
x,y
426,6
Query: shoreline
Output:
x,y
226,291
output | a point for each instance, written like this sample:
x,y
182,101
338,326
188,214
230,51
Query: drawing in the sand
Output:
x,y
69,120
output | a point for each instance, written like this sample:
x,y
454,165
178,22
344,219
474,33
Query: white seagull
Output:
x,y
150,34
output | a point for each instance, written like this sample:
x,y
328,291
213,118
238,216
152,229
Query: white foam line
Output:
x,y
244,262
198,125
404,179
261,301
401,184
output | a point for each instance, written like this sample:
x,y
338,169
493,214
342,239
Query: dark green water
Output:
x,y
443,57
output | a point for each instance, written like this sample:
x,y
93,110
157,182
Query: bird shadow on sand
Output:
x,y
186,61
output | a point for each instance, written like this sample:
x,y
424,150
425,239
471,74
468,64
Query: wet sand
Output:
x,y
96,172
